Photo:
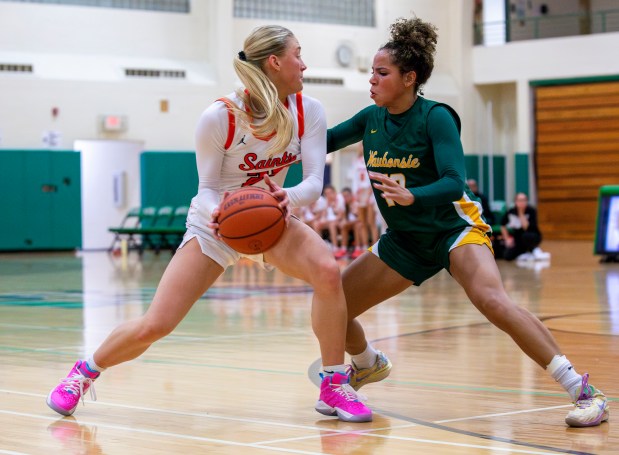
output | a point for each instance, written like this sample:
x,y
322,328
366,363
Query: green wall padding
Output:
x,y
471,163
171,178
294,175
168,178
13,191
41,196
522,173
498,164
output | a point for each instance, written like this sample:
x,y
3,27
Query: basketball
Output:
x,y
251,221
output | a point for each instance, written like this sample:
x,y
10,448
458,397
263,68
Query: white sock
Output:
x,y
330,370
92,366
366,359
565,374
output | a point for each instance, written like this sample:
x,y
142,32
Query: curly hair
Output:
x,y
412,47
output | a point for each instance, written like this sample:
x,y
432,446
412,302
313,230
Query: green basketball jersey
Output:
x,y
424,156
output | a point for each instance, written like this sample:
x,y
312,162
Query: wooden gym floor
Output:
x,y
234,378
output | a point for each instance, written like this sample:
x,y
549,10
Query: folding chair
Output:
x,y
153,236
127,225
177,227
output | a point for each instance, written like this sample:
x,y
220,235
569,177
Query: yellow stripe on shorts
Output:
x,y
470,211
472,236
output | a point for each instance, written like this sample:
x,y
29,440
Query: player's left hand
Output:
x,y
213,224
391,189
281,195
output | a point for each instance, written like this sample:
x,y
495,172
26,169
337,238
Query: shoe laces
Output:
x,y
349,394
584,404
586,392
75,384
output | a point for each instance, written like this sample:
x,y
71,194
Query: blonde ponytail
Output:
x,y
260,94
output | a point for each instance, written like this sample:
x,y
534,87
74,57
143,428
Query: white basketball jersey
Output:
x,y
230,156
246,161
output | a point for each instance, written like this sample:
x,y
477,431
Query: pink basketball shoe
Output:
x,y
66,396
338,398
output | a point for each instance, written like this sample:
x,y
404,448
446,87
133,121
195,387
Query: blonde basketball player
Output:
x,y
250,137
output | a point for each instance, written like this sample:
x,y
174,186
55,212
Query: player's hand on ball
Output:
x,y
249,220
391,189
280,194
214,223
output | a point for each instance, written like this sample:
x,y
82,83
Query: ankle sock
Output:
x,y
565,374
366,359
330,370
92,366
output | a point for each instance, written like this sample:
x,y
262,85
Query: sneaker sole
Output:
x,y
375,377
327,410
324,409
58,409
359,418
575,423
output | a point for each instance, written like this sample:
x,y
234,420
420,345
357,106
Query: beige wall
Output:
x,y
79,54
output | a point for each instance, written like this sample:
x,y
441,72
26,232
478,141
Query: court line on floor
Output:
x,y
42,327
411,422
166,341
174,337
411,439
180,338
490,437
502,414
268,445
196,414
106,330
314,368
477,323
133,429
470,388
218,366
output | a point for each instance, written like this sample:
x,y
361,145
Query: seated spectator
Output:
x,y
348,224
307,213
329,212
486,211
367,226
520,232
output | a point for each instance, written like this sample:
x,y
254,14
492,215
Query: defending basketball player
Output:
x,y
415,159
247,138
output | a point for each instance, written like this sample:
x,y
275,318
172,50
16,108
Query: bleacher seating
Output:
x,y
151,228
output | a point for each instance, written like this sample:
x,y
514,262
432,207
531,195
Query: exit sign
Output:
x,y
113,123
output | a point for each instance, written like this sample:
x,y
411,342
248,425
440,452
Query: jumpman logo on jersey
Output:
x,y
373,131
242,141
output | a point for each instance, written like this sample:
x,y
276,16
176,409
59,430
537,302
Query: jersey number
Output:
x,y
259,176
400,179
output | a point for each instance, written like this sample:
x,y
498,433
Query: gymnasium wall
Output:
x,y
575,56
88,31
79,55
48,183
170,178
517,64
577,152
